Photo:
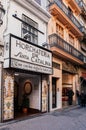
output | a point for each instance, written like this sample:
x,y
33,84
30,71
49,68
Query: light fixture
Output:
x,y
16,74
2,12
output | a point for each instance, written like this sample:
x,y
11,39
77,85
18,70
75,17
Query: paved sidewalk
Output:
x,y
58,111
73,118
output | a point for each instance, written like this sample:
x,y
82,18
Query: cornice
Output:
x,y
35,8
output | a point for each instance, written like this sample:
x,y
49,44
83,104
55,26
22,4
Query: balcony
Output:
x,y
83,46
64,50
83,42
74,5
61,12
82,5
83,30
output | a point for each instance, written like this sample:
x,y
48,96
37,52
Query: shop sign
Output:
x,y
24,55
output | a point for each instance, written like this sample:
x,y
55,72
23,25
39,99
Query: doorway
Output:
x,y
54,99
16,91
27,94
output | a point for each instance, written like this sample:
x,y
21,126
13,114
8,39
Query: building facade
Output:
x,y
30,35
25,65
66,30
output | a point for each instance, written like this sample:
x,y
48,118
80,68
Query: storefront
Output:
x,y
69,80
25,78
56,85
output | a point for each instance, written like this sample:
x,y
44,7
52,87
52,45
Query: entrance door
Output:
x,y
27,94
15,97
54,93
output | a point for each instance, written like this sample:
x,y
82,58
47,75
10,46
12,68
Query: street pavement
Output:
x,y
67,119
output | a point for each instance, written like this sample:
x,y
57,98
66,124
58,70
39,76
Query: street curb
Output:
x,y
65,109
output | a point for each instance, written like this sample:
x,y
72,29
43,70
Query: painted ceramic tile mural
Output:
x,y
44,95
8,107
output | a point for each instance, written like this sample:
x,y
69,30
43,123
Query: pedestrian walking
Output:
x,y
85,98
82,97
78,97
70,94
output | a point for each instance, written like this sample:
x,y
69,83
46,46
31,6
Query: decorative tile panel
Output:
x,y
44,96
8,95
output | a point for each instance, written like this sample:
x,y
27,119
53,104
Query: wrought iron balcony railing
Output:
x,y
77,1
58,42
83,30
82,5
62,6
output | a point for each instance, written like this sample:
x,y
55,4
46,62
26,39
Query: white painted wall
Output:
x,y
12,25
35,96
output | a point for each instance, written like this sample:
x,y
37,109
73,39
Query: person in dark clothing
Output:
x,y
70,94
85,98
82,97
78,96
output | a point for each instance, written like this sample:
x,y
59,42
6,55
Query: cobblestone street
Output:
x,y
68,119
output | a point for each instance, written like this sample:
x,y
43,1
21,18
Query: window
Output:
x,y
71,40
29,31
59,30
70,12
38,1
56,65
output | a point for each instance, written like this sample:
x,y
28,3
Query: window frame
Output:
x,y
32,33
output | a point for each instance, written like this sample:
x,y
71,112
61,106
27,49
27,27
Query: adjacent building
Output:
x,y
66,32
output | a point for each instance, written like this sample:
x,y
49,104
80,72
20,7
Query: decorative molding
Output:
x,y
27,88
35,9
68,67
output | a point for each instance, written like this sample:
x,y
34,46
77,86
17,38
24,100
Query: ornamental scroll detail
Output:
x,y
69,67
44,95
